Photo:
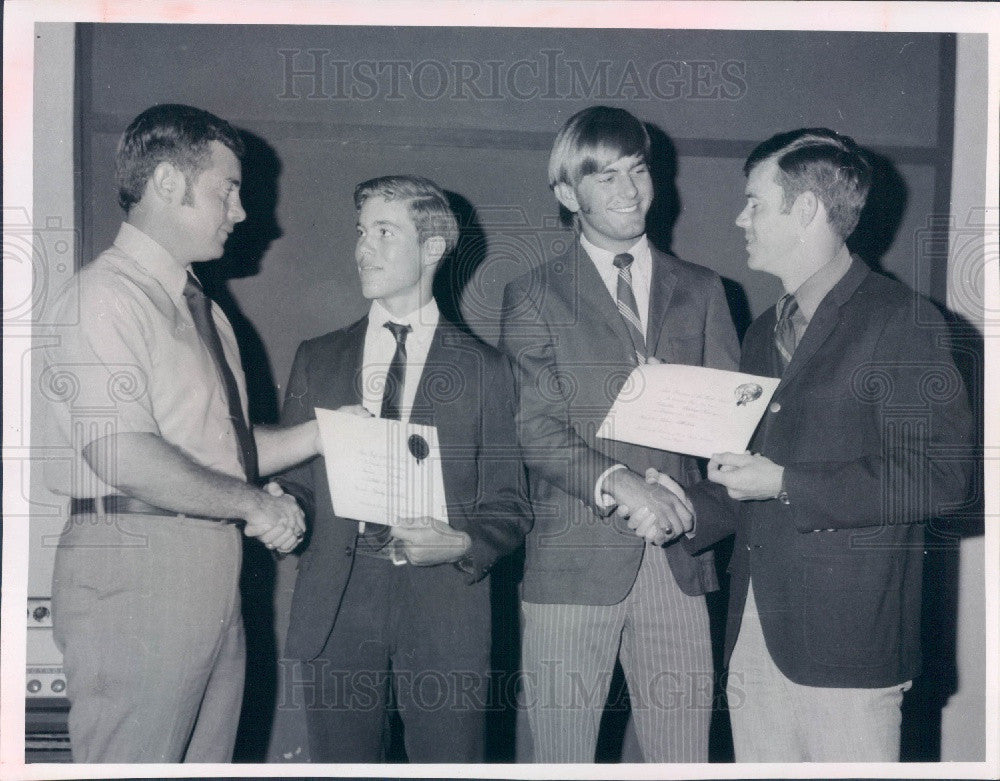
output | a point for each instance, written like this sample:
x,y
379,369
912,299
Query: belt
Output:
x,y
117,504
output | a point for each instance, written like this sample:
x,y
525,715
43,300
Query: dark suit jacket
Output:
x,y
466,390
572,354
868,421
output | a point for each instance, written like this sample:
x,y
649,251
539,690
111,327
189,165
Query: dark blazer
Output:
x,y
466,390
572,353
869,421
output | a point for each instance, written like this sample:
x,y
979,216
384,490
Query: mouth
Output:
x,y
626,209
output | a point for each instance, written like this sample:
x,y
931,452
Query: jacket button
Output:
x,y
775,407
348,550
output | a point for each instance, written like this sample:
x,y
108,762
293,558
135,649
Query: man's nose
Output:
x,y
236,212
628,186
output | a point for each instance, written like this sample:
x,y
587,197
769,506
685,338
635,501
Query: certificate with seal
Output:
x,y
381,470
688,409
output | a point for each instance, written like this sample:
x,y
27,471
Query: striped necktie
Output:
x,y
627,307
784,328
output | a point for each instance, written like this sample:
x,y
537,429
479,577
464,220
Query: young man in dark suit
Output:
x,y
594,589
860,447
404,607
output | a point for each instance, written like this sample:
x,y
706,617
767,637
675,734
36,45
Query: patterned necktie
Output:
x,y
392,394
784,329
627,307
201,312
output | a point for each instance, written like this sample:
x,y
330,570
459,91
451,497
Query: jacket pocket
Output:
x,y
852,605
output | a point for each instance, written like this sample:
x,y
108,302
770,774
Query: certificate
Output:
x,y
381,470
688,409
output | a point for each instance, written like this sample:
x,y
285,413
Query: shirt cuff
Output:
x,y
602,500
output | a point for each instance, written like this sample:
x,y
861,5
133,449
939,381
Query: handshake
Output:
x,y
658,510
276,519
655,508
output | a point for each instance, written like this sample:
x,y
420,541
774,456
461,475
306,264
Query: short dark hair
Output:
x,y
591,140
823,162
426,203
169,132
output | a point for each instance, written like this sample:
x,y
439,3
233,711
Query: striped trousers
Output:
x,y
661,637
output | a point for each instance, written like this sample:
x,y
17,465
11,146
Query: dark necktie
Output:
x,y
201,312
375,536
784,328
392,394
627,307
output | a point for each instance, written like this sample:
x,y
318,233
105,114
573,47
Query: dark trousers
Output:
x,y
419,635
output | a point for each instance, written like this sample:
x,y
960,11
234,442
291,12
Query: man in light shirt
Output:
x,y
144,389
402,614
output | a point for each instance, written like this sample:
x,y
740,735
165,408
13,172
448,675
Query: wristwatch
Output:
x,y
466,565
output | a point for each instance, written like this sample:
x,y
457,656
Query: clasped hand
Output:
x,y
277,520
656,508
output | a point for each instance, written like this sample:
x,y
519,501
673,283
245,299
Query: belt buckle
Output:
x,y
396,555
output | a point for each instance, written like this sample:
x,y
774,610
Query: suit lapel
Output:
x,y
661,288
423,409
823,322
341,380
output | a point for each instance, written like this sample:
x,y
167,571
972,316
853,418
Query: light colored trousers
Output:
x,y
776,720
661,636
146,611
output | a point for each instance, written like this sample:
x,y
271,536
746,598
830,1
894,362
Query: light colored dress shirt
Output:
x,y
125,357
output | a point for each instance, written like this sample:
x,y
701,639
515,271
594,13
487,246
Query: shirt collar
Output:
x,y
153,259
810,294
604,260
423,321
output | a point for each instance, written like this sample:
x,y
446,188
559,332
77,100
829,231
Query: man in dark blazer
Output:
x,y
595,590
405,608
860,447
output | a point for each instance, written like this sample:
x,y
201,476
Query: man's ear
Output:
x,y
167,183
432,250
566,195
806,208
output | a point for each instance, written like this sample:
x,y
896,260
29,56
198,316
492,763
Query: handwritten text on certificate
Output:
x,y
688,409
381,470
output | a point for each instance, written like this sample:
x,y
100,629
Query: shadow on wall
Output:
x,y
924,703
882,215
455,271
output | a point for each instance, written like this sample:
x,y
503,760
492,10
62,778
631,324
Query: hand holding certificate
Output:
x,y
688,409
380,470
